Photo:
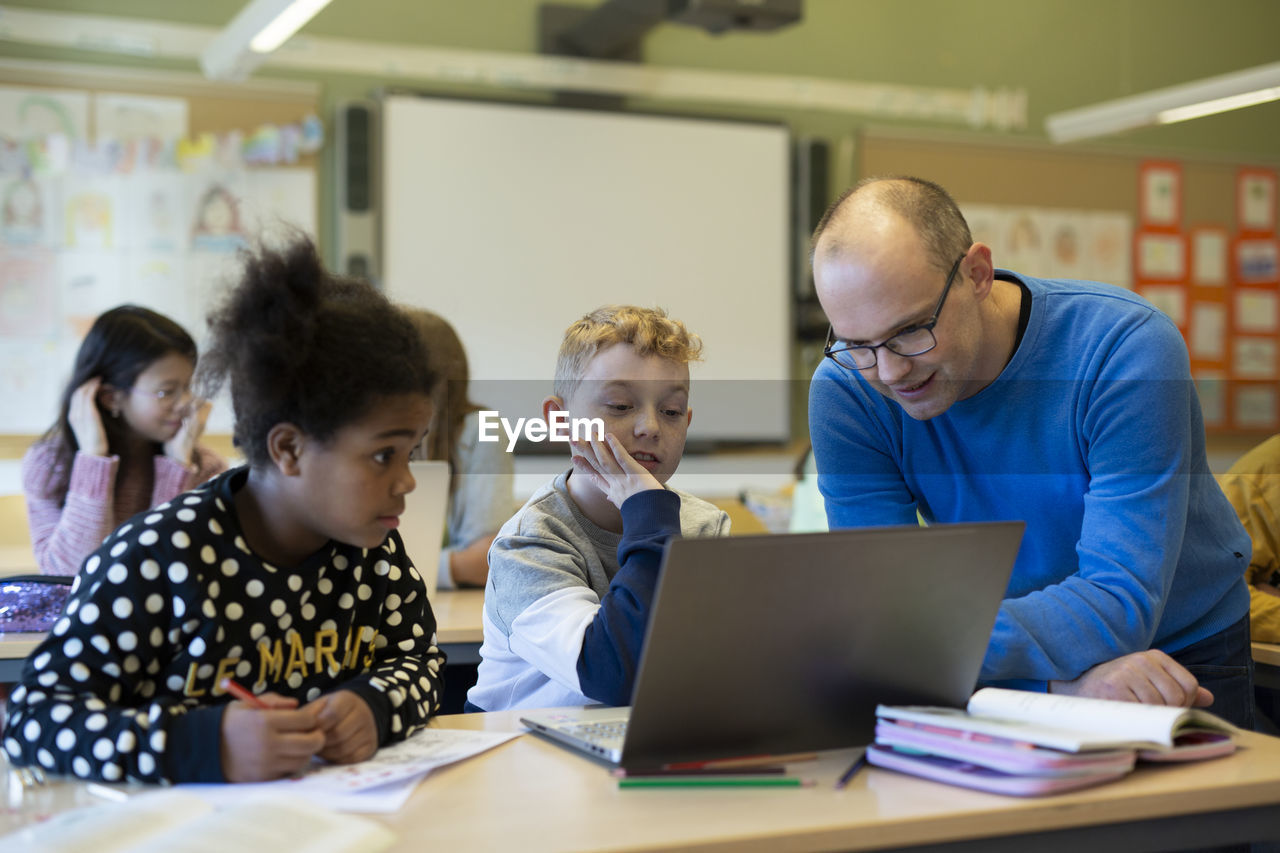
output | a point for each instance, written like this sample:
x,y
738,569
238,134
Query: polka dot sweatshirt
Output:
x,y
126,685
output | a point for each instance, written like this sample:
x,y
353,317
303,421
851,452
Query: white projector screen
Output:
x,y
513,221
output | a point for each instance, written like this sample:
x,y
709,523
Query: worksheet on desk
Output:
x,y
381,784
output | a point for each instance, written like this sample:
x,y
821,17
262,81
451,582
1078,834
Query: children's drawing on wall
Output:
x,y
160,281
279,202
22,213
1056,242
154,221
89,282
217,224
122,117
1108,242
27,113
33,372
90,213
28,307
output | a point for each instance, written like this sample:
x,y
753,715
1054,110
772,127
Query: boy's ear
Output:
x,y
688,417
552,404
286,444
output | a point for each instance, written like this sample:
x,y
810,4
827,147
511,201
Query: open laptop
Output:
x,y
767,645
422,524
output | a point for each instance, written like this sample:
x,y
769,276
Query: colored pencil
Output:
x,y
243,695
762,770
722,782
852,771
742,761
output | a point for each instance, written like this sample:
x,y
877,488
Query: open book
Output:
x,y
1069,723
178,822
1028,744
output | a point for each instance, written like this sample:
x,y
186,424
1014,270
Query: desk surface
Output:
x,y
1267,654
531,794
549,798
17,560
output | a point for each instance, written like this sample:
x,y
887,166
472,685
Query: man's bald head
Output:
x,y
862,213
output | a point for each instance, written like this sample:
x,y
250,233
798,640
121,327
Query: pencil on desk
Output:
x,y
852,771
744,761
232,687
722,782
761,770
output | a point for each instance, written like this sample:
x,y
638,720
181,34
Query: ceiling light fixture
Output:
x,y
259,28
1163,106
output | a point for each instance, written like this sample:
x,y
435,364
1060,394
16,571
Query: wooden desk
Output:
x,y
459,623
535,795
17,560
458,631
532,795
1266,665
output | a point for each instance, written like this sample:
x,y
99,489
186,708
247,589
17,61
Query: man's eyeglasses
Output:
x,y
908,343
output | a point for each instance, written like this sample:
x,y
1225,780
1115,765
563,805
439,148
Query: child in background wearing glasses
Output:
x,y
125,438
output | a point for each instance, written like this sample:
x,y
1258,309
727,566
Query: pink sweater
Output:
x,y
97,503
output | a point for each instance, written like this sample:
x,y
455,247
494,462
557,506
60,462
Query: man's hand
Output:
x,y
1150,677
350,732
610,468
260,745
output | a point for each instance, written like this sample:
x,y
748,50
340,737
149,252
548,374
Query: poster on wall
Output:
x,y
1257,260
29,114
127,117
1160,257
28,212
1056,242
1169,298
1160,195
1255,407
1256,201
1209,265
1253,357
1207,340
1256,311
1212,391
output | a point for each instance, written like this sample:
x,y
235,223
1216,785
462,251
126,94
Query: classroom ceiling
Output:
x,y
1063,53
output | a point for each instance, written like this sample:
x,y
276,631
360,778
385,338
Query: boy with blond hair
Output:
x,y
572,574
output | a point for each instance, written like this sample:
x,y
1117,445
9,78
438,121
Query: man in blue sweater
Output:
x,y
968,393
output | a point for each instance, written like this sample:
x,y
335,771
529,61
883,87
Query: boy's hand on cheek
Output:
x,y
611,469
350,732
260,745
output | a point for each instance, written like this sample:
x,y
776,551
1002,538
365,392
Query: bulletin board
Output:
x,y
1196,236
120,186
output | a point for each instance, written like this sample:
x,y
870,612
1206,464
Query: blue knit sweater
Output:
x,y
1093,436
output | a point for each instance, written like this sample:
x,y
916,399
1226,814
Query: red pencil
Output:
x,y
243,695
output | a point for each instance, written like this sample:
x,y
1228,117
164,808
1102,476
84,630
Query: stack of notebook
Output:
x,y
1027,744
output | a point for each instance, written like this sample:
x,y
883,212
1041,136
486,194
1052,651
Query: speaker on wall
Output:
x,y
811,195
356,231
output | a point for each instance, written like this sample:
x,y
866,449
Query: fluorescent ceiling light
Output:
x,y
259,28
1219,105
1162,106
286,24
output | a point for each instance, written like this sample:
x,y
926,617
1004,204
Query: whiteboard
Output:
x,y
512,221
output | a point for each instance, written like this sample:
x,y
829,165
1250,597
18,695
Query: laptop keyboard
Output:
x,y
606,734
